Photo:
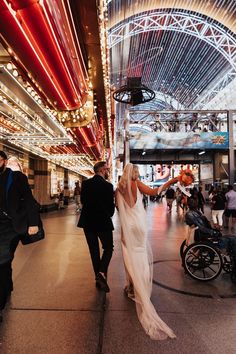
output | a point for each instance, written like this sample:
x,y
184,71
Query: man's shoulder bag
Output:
x,y
27,239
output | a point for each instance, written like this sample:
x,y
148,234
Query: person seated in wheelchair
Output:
x,y
203,228
204,231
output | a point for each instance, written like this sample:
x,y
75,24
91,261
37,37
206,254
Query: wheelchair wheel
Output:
x,y
227,264
182,249
202,261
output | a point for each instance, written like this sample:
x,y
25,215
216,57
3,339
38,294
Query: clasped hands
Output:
x,y
33,230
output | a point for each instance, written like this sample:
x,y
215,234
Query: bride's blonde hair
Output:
x,y
126,177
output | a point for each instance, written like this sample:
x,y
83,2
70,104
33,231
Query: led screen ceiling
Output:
x,y
184,52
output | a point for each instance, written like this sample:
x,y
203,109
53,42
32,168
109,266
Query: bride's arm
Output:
x,y
154,191
185,178
167,184
146,190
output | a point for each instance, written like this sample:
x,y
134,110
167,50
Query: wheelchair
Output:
x,y
205,258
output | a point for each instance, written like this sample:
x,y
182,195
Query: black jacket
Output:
x,y
97,198
21,206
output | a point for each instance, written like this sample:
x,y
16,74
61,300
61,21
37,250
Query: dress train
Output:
x,y
137,257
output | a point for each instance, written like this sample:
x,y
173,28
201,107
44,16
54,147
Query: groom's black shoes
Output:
x,y
101,283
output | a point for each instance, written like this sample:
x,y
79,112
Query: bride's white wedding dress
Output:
x,y
137,256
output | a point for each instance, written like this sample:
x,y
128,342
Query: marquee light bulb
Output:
x,y
15,73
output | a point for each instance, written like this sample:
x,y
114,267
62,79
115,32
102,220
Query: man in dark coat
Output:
x,y
97,198
18,214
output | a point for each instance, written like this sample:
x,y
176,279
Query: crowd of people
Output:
x,y
63,197
96,201
222,202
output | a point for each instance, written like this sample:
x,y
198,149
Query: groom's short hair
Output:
x,y
98,166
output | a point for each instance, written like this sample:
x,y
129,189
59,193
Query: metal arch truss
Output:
x,y
210,93
191,24
167,101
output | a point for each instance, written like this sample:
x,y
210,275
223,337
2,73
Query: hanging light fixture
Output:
x,y
134,92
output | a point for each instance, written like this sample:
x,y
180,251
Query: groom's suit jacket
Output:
x,y
18,201
21,205
97,198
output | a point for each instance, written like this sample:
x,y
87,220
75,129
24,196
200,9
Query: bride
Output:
x,y
136,251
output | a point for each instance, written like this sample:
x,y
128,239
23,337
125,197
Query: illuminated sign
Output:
x,y
178,140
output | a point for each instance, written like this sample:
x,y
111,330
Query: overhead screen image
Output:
x,y
158,174
181,140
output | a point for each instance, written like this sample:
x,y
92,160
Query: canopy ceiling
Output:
x,y
183,50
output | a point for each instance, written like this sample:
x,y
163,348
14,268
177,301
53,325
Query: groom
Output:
x,y
97,199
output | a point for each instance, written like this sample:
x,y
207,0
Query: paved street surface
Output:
x,y
56,309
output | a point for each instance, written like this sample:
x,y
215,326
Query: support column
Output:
x,y
42,184
216,167
126,138
231,148
66,188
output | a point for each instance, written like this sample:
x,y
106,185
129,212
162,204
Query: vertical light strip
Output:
x,y
77,40
85,137
59,49
13,13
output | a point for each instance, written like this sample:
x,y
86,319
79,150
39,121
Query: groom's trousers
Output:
x,y
8,243
100,264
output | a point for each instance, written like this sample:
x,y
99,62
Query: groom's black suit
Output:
x,y
97,198
18,211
